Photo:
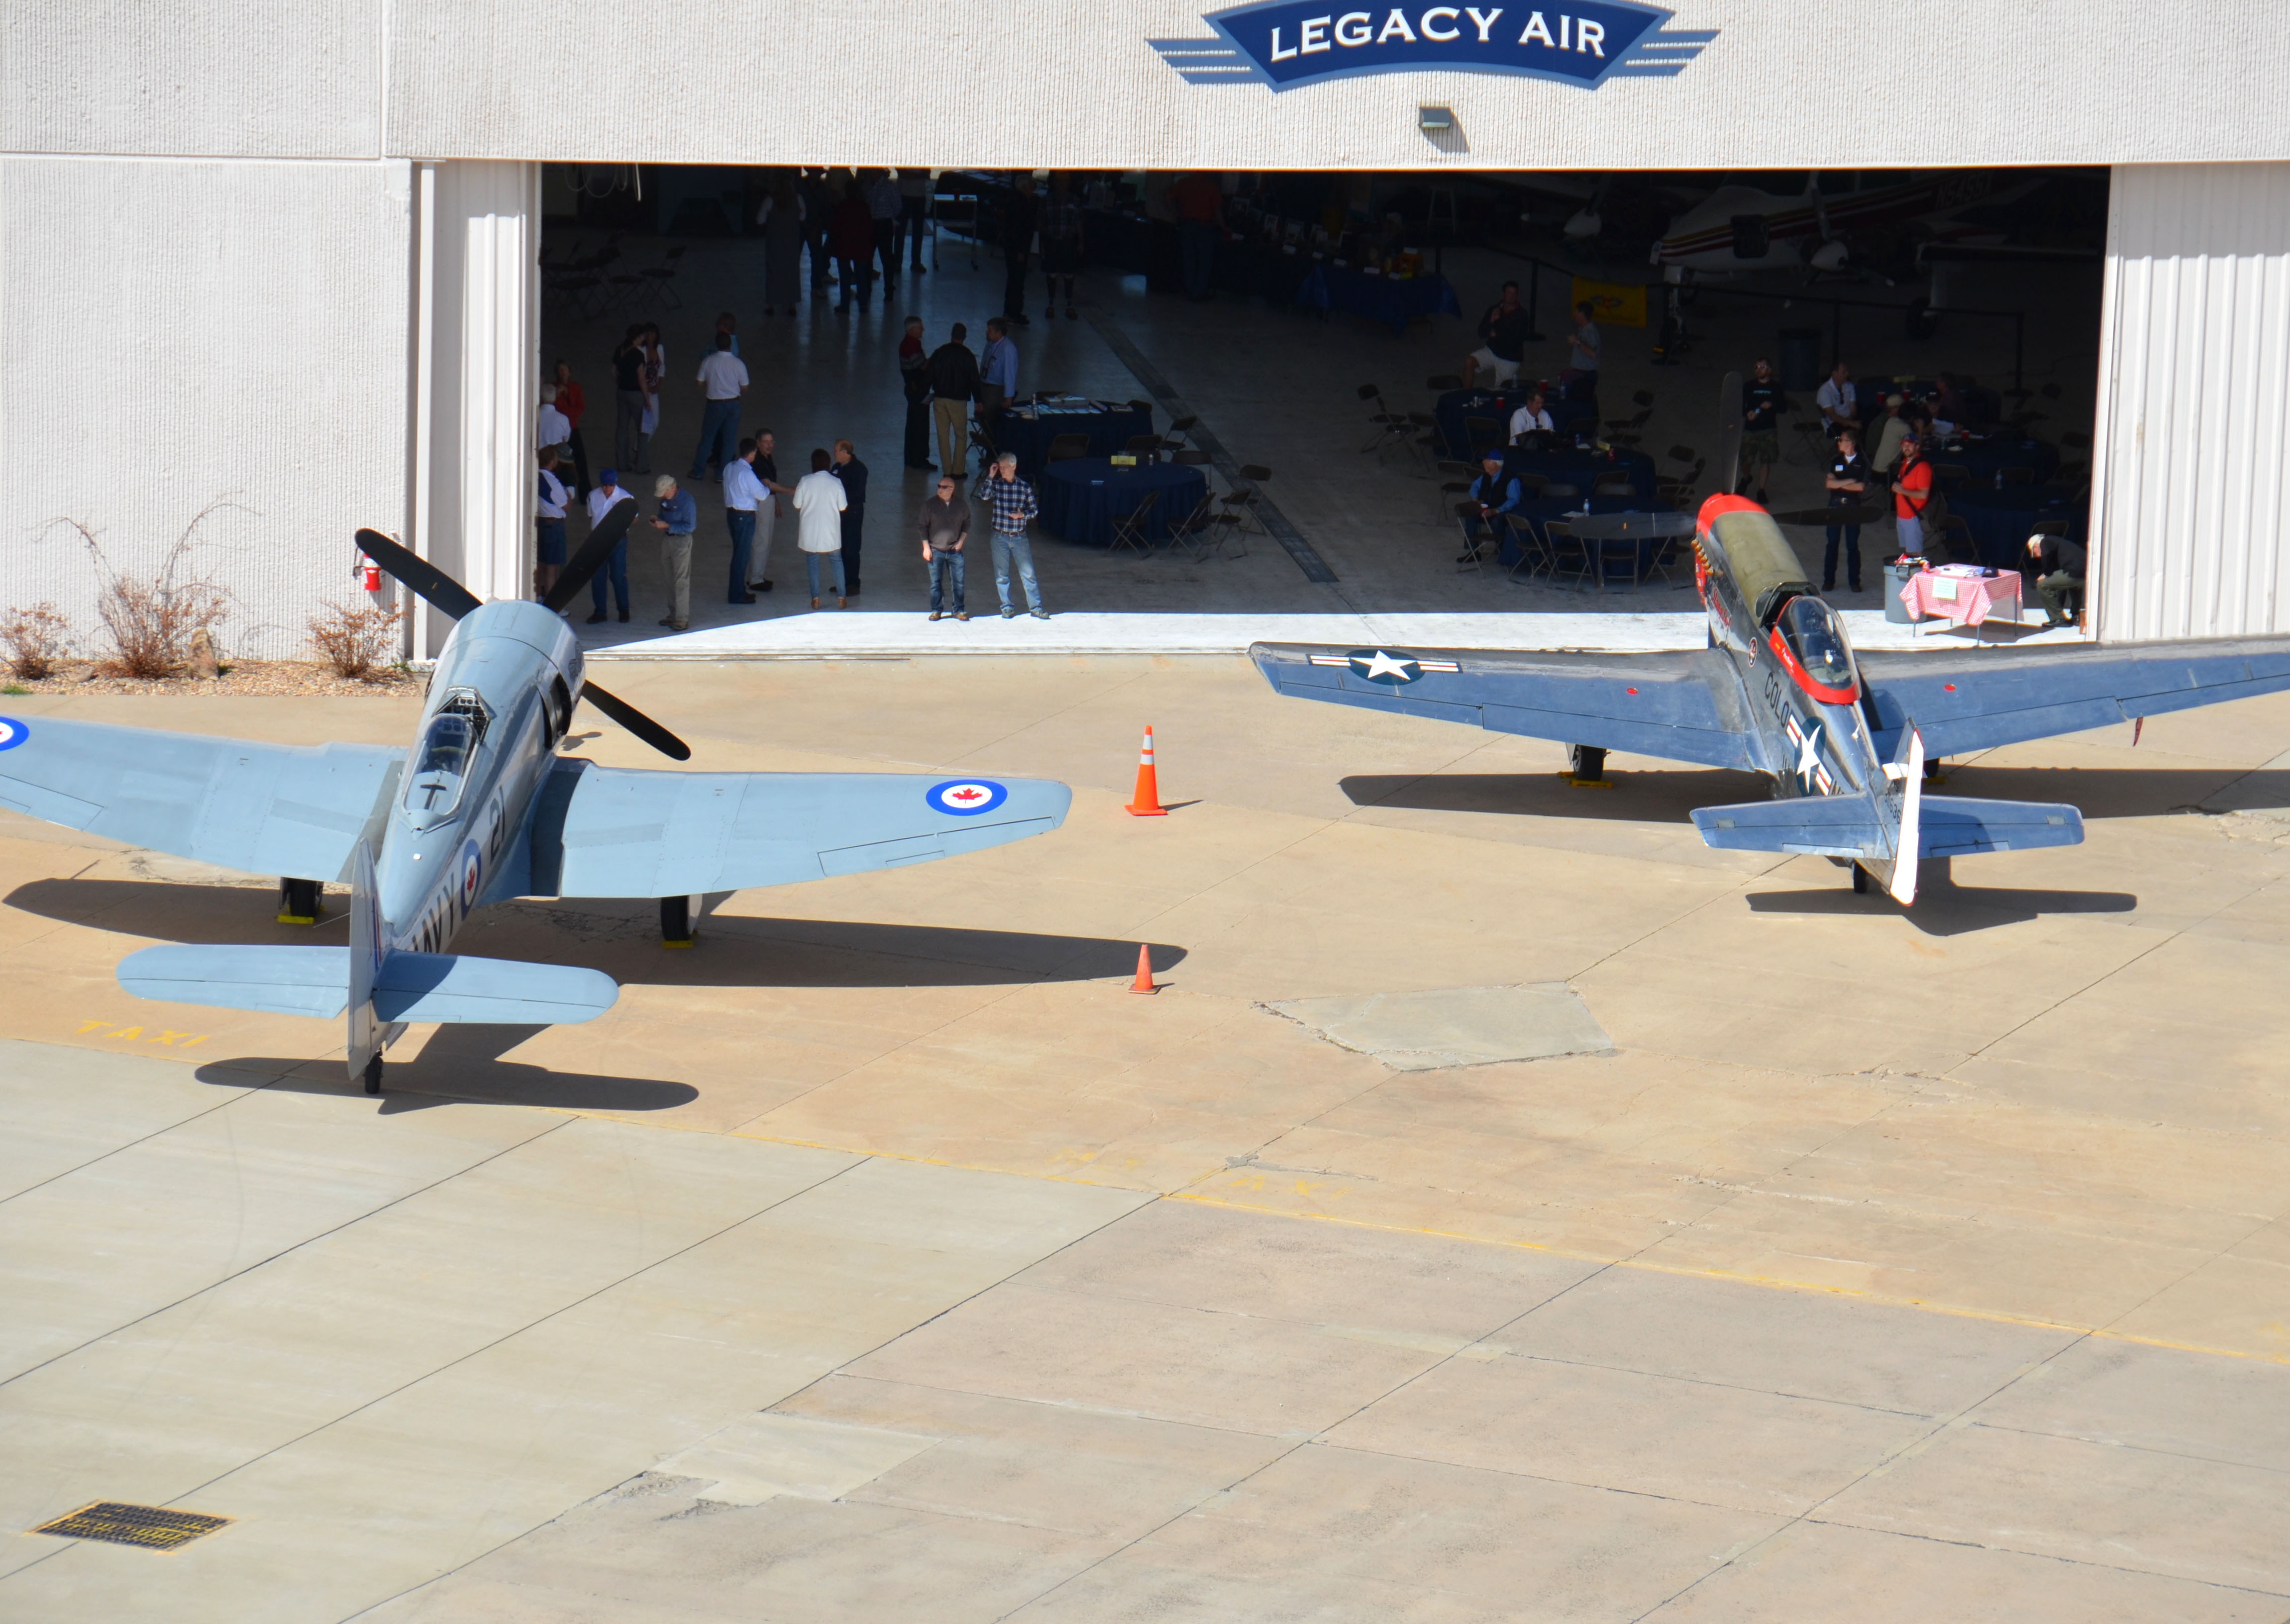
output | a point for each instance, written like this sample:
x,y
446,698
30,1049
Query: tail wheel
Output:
x,y
1860,881
373,1075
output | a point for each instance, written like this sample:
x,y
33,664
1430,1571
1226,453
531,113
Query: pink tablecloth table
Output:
x,y
1960,594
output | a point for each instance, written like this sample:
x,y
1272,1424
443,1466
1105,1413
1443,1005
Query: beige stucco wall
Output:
x,y
181,330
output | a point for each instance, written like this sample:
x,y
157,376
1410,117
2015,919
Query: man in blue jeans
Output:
x,y
742,493
723,380
1014,506
608,495
945,527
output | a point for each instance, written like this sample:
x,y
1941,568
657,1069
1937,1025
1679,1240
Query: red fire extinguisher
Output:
x,y
371,572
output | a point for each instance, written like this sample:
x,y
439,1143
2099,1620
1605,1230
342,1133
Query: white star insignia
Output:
x,y
1381,664
1808,755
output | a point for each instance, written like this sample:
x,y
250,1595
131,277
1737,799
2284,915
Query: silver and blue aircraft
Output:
x,y
481,808
1846,740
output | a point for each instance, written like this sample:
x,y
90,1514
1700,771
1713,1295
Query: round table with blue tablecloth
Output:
x,y
1540,511
1395,299
1028,430
1082,497
2001,520
1584,469
1981,456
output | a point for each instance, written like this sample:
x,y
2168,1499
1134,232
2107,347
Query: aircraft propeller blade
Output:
x,y
641,726
424,579
590,558
1865,514
1729,432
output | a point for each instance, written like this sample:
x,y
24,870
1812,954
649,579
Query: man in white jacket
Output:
x,y
819,503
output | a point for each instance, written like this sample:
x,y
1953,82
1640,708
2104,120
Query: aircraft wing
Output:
x,y
1982,698
1680,706
292,810
613,832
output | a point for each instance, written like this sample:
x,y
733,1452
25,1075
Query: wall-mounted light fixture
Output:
x,y
1435,121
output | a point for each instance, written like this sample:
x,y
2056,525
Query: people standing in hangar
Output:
x,y
818,208
851,234
629,398
819,500
1762,401
952,376
945,527
655,372
914,203
743,492
609,494
782,219
1021,218
997,380
1014,506
573,402
1847,482
883,201
2060,566
723,379
1912,492
1061,244
549,501
1579,383
914,382
1199,201
677,517
847,468
1502,335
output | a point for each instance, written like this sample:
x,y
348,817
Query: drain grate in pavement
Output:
x,y
155,1528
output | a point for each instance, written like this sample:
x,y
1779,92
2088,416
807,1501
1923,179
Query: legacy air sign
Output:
x,y
1285,44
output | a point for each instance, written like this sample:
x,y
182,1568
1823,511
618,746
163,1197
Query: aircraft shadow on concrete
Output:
x,y
458,1064
1661,794
1943,906
622,938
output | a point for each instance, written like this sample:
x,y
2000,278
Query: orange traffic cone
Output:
x,y
1147,802
1144,981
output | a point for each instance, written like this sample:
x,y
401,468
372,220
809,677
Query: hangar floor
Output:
x,y
882,1258
1278,386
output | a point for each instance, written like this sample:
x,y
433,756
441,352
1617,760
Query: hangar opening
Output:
x,y
1298,364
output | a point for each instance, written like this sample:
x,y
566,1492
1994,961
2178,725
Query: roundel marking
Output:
x,y
13,732
1388,670
472,870
965,797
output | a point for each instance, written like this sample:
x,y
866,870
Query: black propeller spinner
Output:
x,y
427,581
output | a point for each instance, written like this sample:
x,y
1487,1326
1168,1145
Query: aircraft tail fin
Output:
x,y
1888,831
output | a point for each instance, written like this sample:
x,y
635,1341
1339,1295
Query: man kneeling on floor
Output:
x,y
1014,506
946,526
2059,576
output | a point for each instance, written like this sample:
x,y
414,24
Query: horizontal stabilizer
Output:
x,y
440,986
1955,826
1816,825
1849,826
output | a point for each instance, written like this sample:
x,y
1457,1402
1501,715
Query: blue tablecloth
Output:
x,y
1999,521
1398,301
1567,417
1584,469
1539,512
1982,458
1081,497
1109,431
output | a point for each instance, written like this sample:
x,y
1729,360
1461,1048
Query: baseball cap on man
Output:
x,y
607,476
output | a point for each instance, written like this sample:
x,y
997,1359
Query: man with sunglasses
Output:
x,y
945,527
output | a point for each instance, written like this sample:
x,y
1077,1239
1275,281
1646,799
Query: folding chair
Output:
x,y
1205,532
1665,554
1623,430
1534,553
1455,486
1442,383
1144,447
1489,537
1388,424
1951,477
1570,555
1815,433
1066,447
1129,528
982,442
1614,485
1485,434
1178,428
1241,503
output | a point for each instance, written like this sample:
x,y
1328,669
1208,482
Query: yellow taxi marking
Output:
x,y
136,1034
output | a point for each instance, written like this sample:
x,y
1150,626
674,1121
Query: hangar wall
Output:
x,y
179,332
2191,465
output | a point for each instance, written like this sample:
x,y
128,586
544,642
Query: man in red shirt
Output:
x,y
1912,495
571,402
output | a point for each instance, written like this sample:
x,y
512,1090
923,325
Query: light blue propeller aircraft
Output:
x,y
480,810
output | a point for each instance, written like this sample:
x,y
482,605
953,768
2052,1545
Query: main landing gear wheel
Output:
x,y
373,1075
1860,881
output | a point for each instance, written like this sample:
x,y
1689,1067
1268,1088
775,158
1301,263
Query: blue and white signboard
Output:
x,y
1287,42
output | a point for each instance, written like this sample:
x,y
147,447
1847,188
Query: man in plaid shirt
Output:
x,y
1014,506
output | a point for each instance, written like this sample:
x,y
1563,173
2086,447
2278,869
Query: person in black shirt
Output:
x,y
952,373
853,473
1019,219
1762,401
2060,566
629,398
1848,486
1502,335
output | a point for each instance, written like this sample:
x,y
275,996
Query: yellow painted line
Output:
x,y
1732,1276
1769,1281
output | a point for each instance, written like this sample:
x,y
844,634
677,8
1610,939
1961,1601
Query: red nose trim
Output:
x,y
1719,505
1827,696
